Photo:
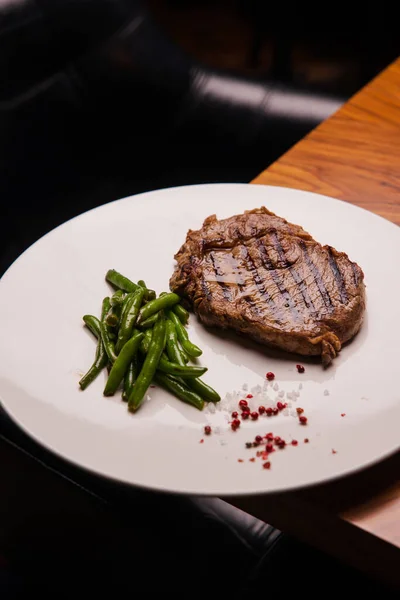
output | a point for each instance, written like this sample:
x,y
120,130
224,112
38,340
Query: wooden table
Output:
x,y
355,156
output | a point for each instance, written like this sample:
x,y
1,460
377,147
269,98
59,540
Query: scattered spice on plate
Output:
x,y
207,429
300,368
270,376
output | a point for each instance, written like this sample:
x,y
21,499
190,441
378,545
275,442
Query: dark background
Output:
x,y
335,47
58,159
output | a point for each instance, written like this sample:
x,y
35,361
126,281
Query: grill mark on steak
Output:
x,y
289,301
205,289
203,284
338,277
355,273
218,275
249,263
297,278
317,277
242,286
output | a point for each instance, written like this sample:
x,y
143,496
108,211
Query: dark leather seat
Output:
x,y
96,103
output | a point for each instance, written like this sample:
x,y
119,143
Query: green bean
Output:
x,y
120,282
125,303
130,378
156,348
105,309
113,316
150,321
203,389
101,358
181,313
117,298
183,337
174,351
175,355
154,306
121,364
149,294
164,365
180,390
148,334
107,342
130,317
186,371
125,284
93,324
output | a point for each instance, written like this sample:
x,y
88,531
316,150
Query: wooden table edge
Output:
x,y
285,510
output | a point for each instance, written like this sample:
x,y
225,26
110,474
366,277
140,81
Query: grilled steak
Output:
x,y
271,281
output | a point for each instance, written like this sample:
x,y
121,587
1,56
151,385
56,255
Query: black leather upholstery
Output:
x,y
96,103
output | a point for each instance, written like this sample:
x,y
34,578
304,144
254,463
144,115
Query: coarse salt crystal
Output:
x,y
289,396
326,392
245,387
286,412
289,404
276,387
256,390
281,394
300,386
293,413
211,407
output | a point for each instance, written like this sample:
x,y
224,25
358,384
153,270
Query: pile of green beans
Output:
x,y
141,339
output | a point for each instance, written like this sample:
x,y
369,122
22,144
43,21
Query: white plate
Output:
x,y
44,349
